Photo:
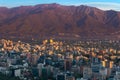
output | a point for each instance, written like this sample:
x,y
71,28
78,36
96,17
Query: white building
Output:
x,y
17,72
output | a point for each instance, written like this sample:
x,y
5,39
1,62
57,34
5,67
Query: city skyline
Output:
x,y
101,4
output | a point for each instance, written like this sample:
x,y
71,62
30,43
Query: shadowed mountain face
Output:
x,y
54,20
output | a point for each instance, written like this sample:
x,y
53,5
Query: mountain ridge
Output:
x,y
49,20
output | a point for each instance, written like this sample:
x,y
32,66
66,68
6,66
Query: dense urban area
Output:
x,y
60,60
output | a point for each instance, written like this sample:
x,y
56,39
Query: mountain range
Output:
x,y
58,21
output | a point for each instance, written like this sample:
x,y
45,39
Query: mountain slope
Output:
x,y
48,20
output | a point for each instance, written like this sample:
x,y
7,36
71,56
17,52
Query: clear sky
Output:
x,y
102,4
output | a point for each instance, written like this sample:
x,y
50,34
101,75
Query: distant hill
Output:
x,y
55,20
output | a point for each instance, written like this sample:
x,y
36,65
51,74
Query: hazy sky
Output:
x,y
102,4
